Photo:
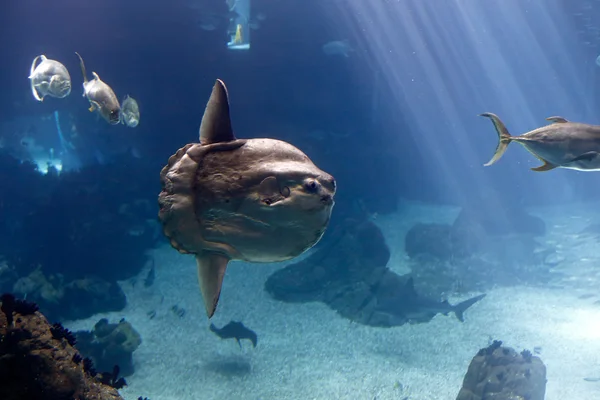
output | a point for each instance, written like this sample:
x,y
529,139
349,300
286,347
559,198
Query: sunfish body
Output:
x,y
256,200
49,78
130,112
562,144
101,96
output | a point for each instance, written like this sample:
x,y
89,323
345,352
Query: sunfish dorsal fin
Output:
x,y
211,270
216,123
557,120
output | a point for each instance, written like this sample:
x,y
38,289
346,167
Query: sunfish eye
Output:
x,y
311,186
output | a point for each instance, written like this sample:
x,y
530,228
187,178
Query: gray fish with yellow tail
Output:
x,y
101,96
256,200
561,144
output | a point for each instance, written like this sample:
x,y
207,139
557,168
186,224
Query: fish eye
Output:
x,y
311,186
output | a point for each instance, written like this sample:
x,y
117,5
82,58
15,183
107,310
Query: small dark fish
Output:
x,y
562,144
149,281
235,330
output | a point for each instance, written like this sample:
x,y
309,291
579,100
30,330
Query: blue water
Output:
x,y
391,113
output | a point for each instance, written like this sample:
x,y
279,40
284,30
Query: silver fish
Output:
x,y
562,144
130,112
49,78
101,96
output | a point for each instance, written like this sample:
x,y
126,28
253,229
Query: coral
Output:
x,y
110,344
500,373
35,365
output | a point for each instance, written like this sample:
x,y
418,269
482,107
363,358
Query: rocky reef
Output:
x,y
38,360
110,344
349,273
68,237
481,249
500,373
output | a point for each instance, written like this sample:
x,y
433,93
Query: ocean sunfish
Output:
x,y
101,96
130,112
561,144
255,200
49,78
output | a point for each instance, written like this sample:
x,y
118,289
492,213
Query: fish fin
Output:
x,y
461,307
216,122
544,167
82,65
93,106
238,342
269,190
253,337
96,76
504,138
43,58
589,156
557,120
211,270
33,89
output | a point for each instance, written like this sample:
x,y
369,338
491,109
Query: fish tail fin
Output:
x,y
82,65
504,138
213,328
460,308
31,83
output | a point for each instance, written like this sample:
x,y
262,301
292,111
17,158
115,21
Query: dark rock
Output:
x,y
78,299
110,344
36,366
433,239
500,373
350,275
98,220
500,221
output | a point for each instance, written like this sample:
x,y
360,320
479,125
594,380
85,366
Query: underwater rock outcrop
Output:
x,y
110,344
478,251
500,373
77,299
350,275
98,221
38,360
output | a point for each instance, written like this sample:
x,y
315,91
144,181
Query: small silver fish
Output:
x,y
562,144
101,96
49,78
130,112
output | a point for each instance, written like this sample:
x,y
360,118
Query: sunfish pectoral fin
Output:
x,y
544,167
589,156
504,138
557,120
269,190
211,270
216,122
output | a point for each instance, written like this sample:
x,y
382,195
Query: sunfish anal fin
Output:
x,y
211,270
545,167
216,123
557,120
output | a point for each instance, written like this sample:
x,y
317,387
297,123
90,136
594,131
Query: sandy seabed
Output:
x,y
308,351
